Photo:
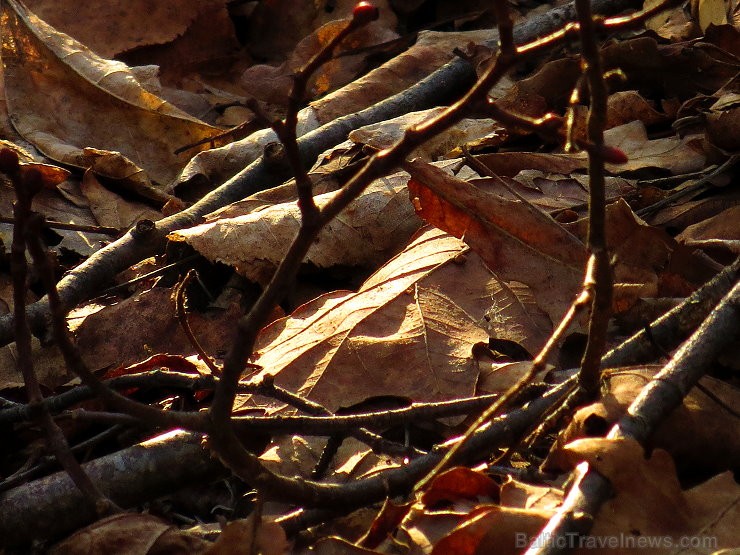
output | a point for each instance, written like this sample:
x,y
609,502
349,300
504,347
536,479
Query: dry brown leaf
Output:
x,y
463,530
500,377
130,533
333,545
725,225
238,537
521,495
110,27
692,212
48,365
700,434
649,505
715,511
459,483
55,206
146,324
273,84
398,335
112,210
673,24
709,12
670,153
723,121
515,240
62,97
552,191
302,19
648,261
422,529
509,164
120,172
297,456
385,134
203,53
366,234
626,106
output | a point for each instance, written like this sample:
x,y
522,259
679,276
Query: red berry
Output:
x,y
614,155
365,12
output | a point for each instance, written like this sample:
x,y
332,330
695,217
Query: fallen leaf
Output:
x,y
515,240
90,22
273,84
725,225
643,488
110,209
459,483
238,535
131,533
673,154
335,350
147,324
521,495
699,434
386,133
62,98
370,230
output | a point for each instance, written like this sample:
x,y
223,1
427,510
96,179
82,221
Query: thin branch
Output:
x,y
26,186
182,317
599,276
53,224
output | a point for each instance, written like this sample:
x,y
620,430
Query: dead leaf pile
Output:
x,y
441,281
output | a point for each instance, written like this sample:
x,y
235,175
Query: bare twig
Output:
x,y
267,387
182,317
52,224
599,276
673,327
26,185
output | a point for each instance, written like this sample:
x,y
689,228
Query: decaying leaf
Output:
x,y
385,134
133,533
146,324
90,22
366,234
62,97
515,240
645,488
110,209
337,349
671,153
237,535
700,434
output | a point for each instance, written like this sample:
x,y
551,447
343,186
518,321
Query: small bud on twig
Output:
x,y
613,155
365,12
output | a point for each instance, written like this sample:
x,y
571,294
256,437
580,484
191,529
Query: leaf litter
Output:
x,y
418,318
